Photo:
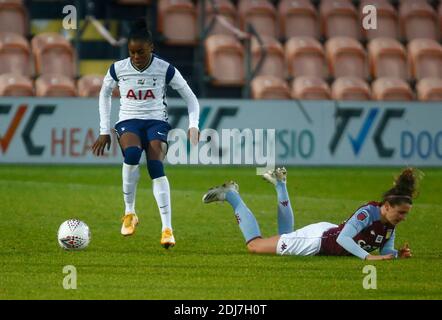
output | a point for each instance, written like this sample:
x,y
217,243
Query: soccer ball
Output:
x,y
74,234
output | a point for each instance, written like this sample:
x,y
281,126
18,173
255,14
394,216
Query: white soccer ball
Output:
x,y
74,234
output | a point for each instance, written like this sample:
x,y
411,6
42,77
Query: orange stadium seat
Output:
x,y
339,18
298,18
55,85
15,85
226,9
15,54
387,57
387,20
391,89
270,87
305,57
346,57
350,88
90,85
225,60
310,88
418,20
425,58
429,89
274,62
53,54
261,14
13,17
177,21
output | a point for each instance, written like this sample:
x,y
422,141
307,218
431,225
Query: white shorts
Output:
x,y
303,242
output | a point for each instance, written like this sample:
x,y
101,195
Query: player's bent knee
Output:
x,y
155,168
132,155
253,246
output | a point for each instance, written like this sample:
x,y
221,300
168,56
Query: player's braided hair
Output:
x,y
140,31
404,187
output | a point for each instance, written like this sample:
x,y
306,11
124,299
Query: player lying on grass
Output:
x,y
370,227
142,80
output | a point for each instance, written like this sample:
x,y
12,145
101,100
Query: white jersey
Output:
x,y
143,92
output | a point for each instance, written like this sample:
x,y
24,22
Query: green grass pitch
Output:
x,y
210,260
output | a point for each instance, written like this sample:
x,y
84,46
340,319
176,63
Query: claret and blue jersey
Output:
x,y
362,233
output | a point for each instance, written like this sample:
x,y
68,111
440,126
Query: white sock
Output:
x,y
161,192
131,174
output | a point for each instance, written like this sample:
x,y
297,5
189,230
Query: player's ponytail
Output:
x,y
404,187
140,31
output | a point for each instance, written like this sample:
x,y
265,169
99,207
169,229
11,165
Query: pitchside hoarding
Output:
x,y
42,130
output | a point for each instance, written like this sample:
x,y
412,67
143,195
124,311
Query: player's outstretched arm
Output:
x,y
380,257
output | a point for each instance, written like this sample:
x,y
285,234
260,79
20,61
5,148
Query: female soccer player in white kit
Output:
x,y
142,79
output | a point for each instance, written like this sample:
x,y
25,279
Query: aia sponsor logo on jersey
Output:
x,y
362,216
142,95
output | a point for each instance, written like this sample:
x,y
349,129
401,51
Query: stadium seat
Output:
x,y
310,88
305,57
13,17
298,18
339,18
270,87
387,57
261,14
55,85
425,58
346,57
226,9
418,20
15,85
387,20
391,89
350,88
224,58
177,21
53,54
274,62
15,54
90,85
429,89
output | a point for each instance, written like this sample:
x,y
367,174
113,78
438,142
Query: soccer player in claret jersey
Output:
x,y
142,80
370,227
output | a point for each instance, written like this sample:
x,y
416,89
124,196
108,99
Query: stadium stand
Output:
x,y
429,89
391,89
298,18
15,85
303,41
310,88
274,61
269,87
13,17
15,54
305,56
55,85
387,57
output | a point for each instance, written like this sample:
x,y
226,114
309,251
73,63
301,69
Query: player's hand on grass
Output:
x,y
103,141
405,251
380,257
193,134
